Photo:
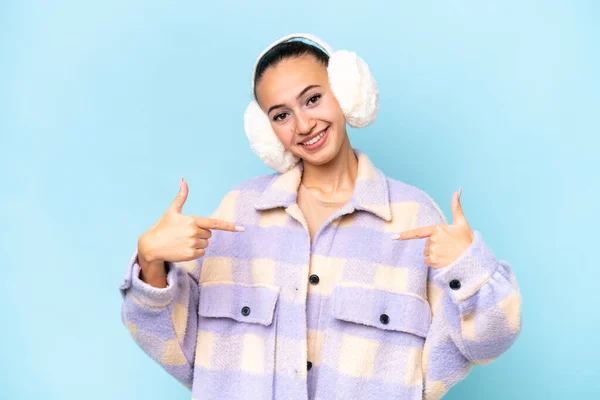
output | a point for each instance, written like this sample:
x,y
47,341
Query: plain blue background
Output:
x,y
105,104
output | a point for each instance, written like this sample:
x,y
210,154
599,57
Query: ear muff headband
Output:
x,y
288,38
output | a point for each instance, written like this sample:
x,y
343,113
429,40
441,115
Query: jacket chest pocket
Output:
x,y
251,304
387,311
377,334
236,331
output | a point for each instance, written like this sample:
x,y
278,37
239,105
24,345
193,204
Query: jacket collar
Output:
x,y
371,192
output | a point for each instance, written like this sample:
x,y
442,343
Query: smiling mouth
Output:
x,y
315,138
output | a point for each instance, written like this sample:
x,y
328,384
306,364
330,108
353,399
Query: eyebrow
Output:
x,y
306,89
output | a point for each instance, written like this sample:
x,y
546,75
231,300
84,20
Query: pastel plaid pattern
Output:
x,y
243,321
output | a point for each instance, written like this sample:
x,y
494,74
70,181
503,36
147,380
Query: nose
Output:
x,y
305,124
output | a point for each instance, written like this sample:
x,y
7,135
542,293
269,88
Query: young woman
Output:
x,y
326,280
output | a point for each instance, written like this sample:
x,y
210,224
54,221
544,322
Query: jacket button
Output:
x,y
314,279
308,365
454,284
384,319
245,311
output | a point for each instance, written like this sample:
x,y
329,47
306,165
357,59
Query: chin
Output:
x,y
321,157
329,150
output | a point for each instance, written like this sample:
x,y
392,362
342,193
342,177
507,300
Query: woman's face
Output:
x,y
303,111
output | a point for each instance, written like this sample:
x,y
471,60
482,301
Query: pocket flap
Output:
x,y
381,309
243,303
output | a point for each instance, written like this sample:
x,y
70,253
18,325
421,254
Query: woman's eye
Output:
x,y
314,99
279,117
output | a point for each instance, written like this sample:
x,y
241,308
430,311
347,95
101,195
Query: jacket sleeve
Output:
x,y
476,312
163,321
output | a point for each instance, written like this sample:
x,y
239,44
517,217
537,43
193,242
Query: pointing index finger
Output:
x,y
218,224
418,233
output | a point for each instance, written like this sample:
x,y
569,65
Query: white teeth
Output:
x,y
314,140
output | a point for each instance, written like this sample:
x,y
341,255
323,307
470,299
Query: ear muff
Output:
x,y
352,84
263,141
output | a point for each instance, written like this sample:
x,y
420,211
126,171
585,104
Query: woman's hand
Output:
x,y
175,238
446,242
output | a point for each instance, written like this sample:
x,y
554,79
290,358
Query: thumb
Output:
x,y
457,211
181,197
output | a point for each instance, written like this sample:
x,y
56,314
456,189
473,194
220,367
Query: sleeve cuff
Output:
x,y
144,293
463,277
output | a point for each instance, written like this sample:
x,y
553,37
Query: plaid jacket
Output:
x,y
244,321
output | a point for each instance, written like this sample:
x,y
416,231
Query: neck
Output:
x,y
338,175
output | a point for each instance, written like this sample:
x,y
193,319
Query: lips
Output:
x,y
314,138
316,142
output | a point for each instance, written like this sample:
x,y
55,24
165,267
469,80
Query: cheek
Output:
x,y
284,134
334,111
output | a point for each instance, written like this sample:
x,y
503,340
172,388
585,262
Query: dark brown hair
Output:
x,y
283,51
